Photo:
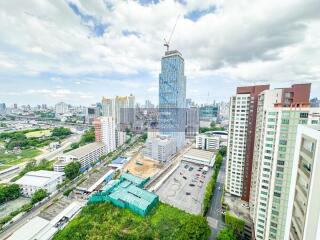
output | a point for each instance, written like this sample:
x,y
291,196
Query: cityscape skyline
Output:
x,y
79,51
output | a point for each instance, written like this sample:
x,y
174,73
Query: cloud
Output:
x,y
232,41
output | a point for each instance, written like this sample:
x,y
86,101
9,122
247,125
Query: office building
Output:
x,y
280,111
192,121
105,132
243,109
172,97
91,114
86,155
35,180
315,102
304,205
208,113
2,108
61,108
210,141
160,148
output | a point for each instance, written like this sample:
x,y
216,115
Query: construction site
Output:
x,y
142,167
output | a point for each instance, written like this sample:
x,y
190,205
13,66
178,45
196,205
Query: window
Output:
x,y
304,115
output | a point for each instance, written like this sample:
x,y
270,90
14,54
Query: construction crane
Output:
x,y
167,42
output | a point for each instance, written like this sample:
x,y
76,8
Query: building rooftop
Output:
x,y
199,154
38,178
120,160
81,151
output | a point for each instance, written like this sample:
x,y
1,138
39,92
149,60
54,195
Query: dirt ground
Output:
x,y
146,168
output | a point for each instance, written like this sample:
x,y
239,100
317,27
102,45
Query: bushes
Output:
x,y
9,192
39,195
234,223
67,192
226,234
32,166
106,221
212,183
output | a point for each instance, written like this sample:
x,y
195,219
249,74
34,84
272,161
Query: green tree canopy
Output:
x,y
226,234
72,170
39,195
9,192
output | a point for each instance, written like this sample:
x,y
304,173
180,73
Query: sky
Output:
x,y
80,50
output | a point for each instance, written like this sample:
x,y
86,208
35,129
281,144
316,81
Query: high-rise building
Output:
x,y
304,206
192,121
2,108
160,148
243,110
105,132
172,97
314,102
91,114
208,113
121,108
280,111
61,108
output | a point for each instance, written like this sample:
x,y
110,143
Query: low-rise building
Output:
x,y
199,157
207,142
86,155
35,180
160,148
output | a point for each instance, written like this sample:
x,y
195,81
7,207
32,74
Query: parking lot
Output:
x,y
185,188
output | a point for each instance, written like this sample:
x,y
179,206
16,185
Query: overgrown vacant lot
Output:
x,y
11,159
105,221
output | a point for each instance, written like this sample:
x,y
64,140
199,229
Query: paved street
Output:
x,y
214,215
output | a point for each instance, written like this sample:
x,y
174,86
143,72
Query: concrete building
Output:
x,y
208,142
121,137
160,148
199,157
40,228
243,109
35,180
121,108
86,155
61,108
303,218
172,97
105,132
91,114
280,111
192,121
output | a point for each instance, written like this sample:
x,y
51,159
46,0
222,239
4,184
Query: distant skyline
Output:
x,y
78,51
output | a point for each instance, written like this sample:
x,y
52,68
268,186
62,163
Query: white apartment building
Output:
x,y
238,124
208,142
35,180
86,155
303,218
105,132
273,164
120,138
121,108
160,148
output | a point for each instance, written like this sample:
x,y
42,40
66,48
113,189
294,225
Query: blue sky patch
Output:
x,y
195,15
95,25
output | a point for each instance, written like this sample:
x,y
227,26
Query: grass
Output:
x,y
39,133
11,159
107,222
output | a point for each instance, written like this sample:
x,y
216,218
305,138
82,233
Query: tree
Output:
x,y
60,132
88,137
226,234
39,195
223,151
72,170
9,192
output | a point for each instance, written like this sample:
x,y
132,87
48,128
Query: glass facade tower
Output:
x,y
172,97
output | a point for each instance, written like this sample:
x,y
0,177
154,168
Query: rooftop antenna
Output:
x,y
167,42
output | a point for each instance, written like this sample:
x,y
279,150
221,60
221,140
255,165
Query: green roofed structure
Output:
x,y
128,192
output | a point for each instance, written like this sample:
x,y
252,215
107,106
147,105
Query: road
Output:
x,y
214,215
5,178
36,210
